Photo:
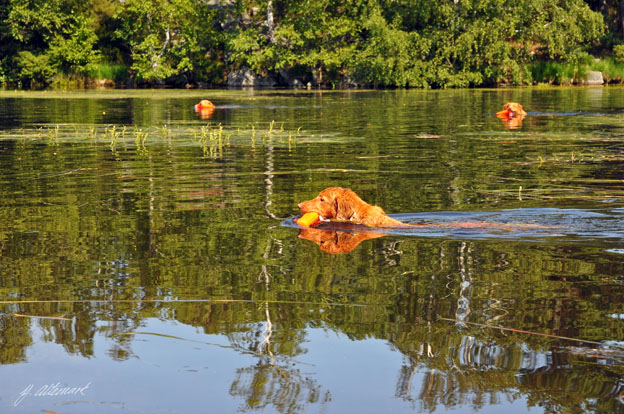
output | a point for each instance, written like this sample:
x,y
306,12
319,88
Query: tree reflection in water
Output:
x,y
271,382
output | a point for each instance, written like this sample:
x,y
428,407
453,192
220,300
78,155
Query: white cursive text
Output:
x,y
49,390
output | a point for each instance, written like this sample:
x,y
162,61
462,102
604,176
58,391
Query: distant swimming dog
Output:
x,y
511,110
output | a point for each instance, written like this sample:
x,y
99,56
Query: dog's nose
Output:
x,y
299,205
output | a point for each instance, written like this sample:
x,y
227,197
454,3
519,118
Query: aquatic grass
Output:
x,y
140,137
269,133
166,133
220,136
115,137
53,134
253,135
205,138
92,135
213,138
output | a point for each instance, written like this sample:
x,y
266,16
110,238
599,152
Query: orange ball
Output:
x,y
204,104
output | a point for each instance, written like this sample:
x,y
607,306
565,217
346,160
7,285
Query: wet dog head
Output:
x,y
333,203
515,108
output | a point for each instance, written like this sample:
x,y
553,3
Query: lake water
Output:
x,y
149,261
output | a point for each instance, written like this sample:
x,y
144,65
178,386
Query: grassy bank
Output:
x,y
98,75
115,72
571,73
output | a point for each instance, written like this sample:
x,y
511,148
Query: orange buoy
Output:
x,y
308,219
204,104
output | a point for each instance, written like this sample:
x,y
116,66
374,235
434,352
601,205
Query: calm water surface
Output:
x,y
149,262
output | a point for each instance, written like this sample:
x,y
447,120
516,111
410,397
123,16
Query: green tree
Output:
x,y
391,56
49,37
477,42
74,52
164,37
317,37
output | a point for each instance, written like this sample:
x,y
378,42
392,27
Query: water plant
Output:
x,y
269,133
53,134
204,138
92,135
291,141
113,136
140,137
213,138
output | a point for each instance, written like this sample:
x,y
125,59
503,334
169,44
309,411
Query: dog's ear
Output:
x,y
344,203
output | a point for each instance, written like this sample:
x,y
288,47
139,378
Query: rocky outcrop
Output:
x,y
245,77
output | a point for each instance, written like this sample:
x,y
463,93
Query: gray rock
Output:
x,y
593,78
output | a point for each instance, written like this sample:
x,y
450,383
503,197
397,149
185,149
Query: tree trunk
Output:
x,y
270,22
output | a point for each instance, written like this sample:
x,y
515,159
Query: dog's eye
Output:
x,y
322,199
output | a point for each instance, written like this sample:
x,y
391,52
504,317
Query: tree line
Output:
x,y
329,43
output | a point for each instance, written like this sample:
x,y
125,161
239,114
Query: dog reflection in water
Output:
x,y
336,241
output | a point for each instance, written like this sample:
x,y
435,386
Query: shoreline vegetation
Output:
x,y
318,43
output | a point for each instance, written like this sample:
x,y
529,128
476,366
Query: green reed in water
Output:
x,y
165,131
214,139
269,133
53,134
140,138
114,136
92,135
253,135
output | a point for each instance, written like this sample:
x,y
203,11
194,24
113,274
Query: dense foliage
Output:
x,y
404,43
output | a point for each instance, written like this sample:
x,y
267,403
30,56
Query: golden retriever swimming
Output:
x,y
512,109
344,205
512,115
